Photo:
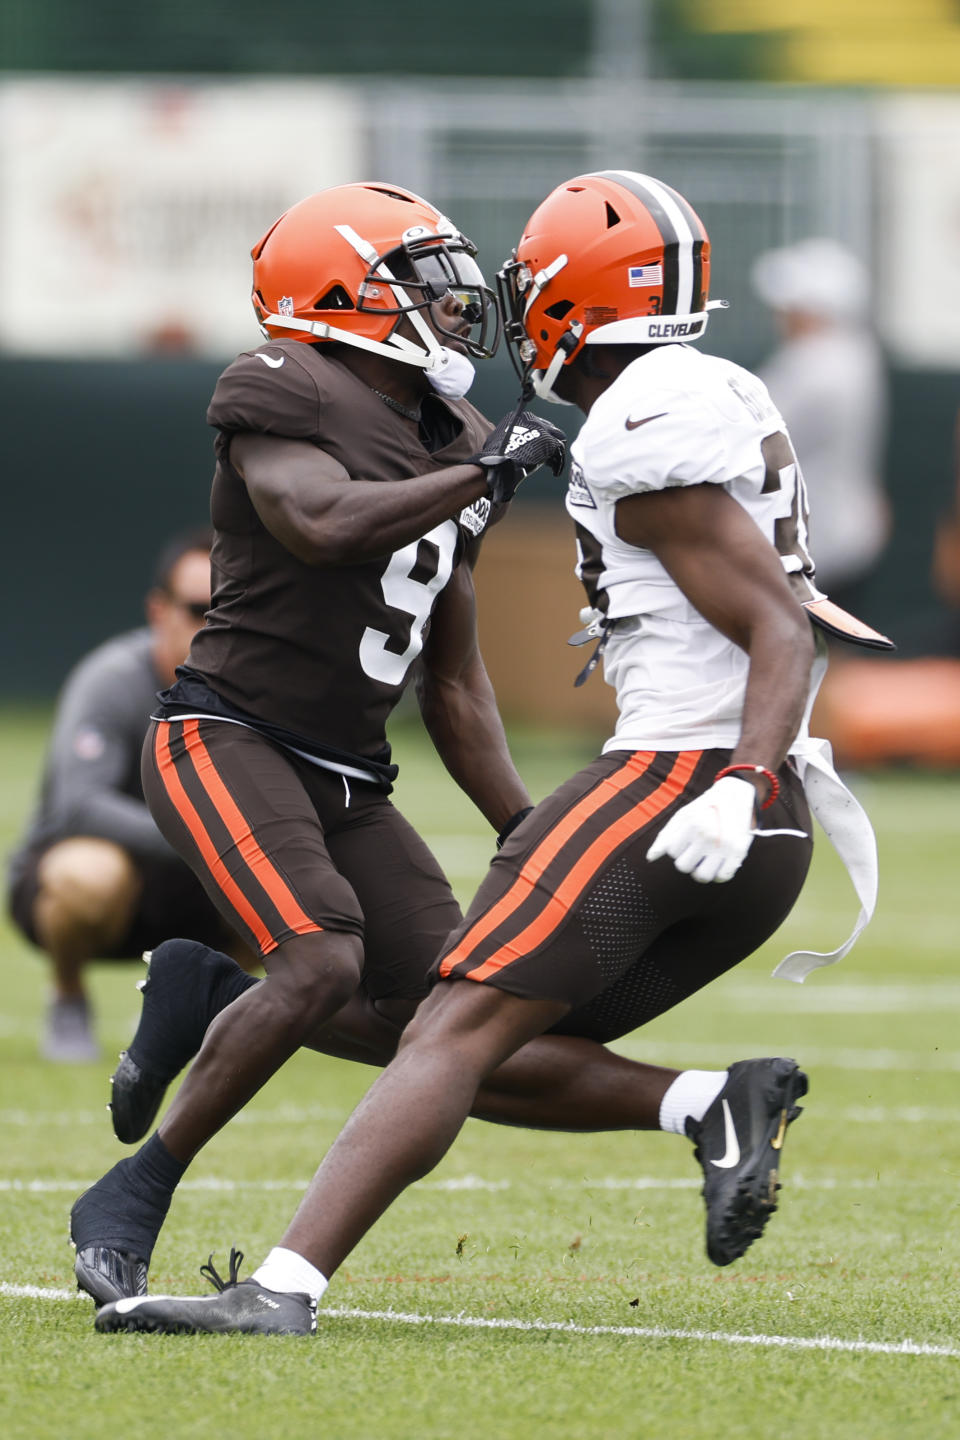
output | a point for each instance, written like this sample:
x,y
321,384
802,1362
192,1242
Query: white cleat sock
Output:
x,y
289,1274
690,1097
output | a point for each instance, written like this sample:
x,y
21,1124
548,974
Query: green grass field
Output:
x,y
540,1285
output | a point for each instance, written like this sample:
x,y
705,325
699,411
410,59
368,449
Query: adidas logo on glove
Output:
x,y
514,448
518,437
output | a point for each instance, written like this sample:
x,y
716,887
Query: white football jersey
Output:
x,y
679,417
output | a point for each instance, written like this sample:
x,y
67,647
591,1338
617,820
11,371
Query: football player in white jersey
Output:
x,y
682,848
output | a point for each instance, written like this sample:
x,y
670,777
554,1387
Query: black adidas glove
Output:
x,y
522,442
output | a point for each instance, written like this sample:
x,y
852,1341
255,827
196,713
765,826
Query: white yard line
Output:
x,y
275,1115
833,995
711,1054
832,1343
271,1118
222,1185
655,1332
680,1053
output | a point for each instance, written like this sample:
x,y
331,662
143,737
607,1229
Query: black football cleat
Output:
x,y
113,1228
187,986
107,1275
239,1308
738,1144
135,1098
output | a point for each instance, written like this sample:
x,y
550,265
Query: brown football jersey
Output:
x,y
321,655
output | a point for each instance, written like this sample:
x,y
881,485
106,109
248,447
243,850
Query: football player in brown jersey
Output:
x,y
353,484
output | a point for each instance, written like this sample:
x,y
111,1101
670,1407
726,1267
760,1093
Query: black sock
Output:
x,y
158,1170
188,984
127,1207
229,985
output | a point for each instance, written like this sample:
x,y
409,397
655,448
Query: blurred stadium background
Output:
x,y
144,149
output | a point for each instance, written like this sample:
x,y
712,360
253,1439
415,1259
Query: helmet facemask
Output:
x,y
518,289
420,272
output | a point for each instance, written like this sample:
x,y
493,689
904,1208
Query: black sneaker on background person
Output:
x,y
187,985
241,1307
738,1144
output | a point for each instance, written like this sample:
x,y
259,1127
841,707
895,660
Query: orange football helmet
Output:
x,y
349,262
609,258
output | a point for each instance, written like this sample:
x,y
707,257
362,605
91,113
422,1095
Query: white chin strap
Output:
x,y
450,373
542,380
395,348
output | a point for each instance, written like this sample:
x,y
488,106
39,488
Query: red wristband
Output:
x,y
755,770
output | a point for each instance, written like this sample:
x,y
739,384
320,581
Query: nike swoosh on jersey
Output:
x,y
268,360
635,424
731,1155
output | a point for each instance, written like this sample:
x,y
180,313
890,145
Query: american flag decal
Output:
x,y
640,276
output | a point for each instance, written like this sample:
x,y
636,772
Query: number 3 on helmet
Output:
x,y
610,258
350,262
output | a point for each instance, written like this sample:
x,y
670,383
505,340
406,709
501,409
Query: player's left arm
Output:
x,y
459,707
730,572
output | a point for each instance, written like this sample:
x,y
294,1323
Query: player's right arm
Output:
x,y
730,572
309,502
459,707
721,560
307,499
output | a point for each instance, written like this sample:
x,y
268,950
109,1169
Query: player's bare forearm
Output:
x,y
781,653
462,720
320,513
459,707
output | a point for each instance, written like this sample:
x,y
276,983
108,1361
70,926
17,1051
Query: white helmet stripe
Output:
x,y
368,253
682,277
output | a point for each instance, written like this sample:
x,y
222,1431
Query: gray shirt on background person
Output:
x,y
91,777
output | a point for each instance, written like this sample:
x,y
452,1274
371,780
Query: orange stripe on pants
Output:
x,y
549,847
589,863
262,867
184,808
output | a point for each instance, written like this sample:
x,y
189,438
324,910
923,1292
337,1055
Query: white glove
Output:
x,y
709,838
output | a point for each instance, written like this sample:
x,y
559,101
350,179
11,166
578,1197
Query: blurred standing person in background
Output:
x,y
946,551
828,380
93,878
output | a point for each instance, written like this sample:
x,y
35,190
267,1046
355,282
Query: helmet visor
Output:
x,y
427,272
